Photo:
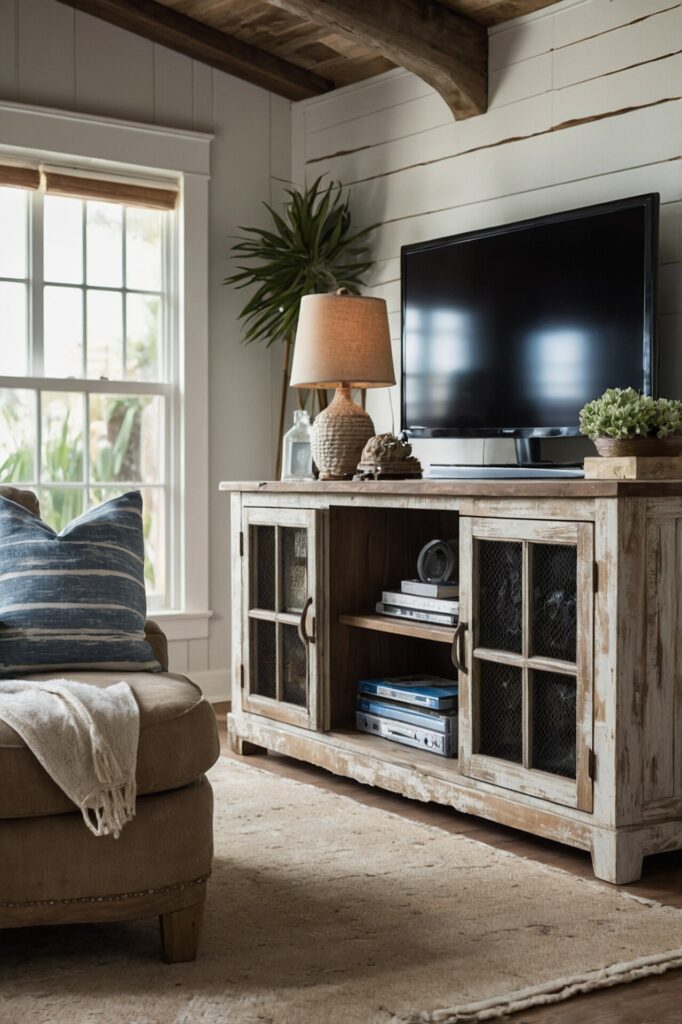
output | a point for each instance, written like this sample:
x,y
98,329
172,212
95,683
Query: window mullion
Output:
x,y
39,439
36,323
84,294
124,290
86,447
106,386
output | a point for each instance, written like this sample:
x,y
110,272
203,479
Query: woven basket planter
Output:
x,y
646,447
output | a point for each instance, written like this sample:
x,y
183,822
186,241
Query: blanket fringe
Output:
x,y
107,809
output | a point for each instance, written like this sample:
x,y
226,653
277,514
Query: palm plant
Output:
x,y
310,249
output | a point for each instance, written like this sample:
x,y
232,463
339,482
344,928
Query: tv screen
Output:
x,y
510,330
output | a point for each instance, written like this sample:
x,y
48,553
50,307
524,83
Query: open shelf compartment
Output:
x,y
371,550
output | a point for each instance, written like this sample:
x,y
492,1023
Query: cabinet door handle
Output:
x,y
302,632
457,655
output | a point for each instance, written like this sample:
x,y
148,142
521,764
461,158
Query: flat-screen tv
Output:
x,y
508,331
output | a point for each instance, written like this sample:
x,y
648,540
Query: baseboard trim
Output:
x,y
214,683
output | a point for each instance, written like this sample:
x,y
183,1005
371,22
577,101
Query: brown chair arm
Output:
x,y
156,638
26,498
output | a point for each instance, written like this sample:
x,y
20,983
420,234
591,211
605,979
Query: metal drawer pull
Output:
x,y
457,655
302,633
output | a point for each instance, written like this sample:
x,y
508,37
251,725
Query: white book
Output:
x,y
439,590
416,614
427,604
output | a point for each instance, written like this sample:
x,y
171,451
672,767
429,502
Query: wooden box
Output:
x,y
634,467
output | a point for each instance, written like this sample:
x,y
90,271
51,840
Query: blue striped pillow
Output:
x,y
76,598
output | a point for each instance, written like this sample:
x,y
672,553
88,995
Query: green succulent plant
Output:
x,y
308,250
624,412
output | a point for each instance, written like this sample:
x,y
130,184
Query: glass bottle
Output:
x,y
297,457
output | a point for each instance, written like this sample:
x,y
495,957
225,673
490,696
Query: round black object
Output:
x,y
436,562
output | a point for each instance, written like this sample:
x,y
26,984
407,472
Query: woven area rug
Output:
x,y
324,911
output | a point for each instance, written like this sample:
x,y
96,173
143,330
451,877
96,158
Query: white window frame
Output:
x,y
107,145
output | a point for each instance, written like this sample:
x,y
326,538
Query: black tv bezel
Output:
x,y
650,202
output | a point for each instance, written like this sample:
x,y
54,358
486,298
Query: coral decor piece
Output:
x,y
388,456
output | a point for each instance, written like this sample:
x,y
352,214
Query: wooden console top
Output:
x,y
548,488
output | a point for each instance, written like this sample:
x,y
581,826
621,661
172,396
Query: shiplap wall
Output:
x,y
412,168
53,56
585,106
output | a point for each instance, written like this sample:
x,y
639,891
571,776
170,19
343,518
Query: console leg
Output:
x,y
244,748
180,932
617,856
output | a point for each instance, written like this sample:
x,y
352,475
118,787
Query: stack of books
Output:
x,y
418,711
437,603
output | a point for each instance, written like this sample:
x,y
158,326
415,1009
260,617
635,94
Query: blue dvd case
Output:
x,y
440,722
431,692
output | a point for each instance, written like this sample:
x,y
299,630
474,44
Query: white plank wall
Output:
x,y
53,56
585,106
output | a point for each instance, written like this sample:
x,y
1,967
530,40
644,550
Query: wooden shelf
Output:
x,y
401,627
396,753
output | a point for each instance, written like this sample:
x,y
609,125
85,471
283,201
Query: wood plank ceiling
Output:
x,y
302,48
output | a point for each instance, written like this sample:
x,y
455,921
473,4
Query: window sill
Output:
x,y
182,625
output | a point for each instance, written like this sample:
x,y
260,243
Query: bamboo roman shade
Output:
x,y
109,190
81,186
19,177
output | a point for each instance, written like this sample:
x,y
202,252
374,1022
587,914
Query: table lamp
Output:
x,y
342,342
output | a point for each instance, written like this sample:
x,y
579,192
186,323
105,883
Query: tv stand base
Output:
x,y
623,799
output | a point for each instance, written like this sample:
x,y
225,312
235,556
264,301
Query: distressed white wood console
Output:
x,y
570,720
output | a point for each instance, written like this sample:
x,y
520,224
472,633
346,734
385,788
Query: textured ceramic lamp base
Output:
x,y
339,434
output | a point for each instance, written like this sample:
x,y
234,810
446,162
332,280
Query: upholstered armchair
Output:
x,y
55,871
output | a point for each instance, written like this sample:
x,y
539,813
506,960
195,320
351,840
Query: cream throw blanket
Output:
x,y
86,740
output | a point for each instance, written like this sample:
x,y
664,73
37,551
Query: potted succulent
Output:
x,y
624,422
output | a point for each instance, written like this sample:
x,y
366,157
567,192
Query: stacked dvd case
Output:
x,y
418,711
422,602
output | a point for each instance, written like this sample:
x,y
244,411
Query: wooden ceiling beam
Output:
x,y
445,49
192,38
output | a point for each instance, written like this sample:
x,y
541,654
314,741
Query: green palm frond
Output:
x,y
310,249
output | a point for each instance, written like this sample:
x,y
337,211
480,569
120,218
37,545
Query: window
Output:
x,y
117,152
88,353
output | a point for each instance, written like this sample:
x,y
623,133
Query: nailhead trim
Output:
x,y
118,897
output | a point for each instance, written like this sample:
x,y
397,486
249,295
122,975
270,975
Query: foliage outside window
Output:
x,y
85,384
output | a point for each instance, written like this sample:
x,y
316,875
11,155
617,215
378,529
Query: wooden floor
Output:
x,y
651,1001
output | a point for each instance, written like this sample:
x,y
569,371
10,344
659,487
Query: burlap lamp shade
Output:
x,y
342,342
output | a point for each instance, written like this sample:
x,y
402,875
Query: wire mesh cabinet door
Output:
x,y
281,645
525,656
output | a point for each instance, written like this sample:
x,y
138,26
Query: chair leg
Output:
x,y
180,931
